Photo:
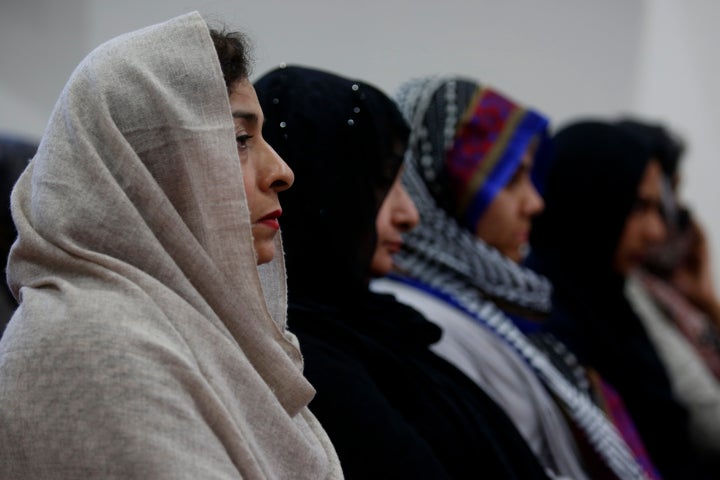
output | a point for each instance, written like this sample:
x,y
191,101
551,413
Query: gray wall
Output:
x,y
568,58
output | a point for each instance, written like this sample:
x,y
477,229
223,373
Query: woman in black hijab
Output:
x,y
602,215
392,408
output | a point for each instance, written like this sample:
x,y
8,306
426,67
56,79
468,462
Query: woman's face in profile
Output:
x,y
264,172
644,227
505,224
396,216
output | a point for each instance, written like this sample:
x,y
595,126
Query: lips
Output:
x,y
271,219
393,247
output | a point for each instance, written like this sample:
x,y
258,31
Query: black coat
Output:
x,y
392,407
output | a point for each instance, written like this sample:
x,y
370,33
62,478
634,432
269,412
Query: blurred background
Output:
x,y
652,59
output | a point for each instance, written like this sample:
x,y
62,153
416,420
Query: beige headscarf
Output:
x,y
148,344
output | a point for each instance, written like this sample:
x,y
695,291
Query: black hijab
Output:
x,y
591,189
344,140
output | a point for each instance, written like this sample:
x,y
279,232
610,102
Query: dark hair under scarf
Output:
x,y
668,148
312,117
590,191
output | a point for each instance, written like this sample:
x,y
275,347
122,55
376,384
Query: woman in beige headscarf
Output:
x,y
149,341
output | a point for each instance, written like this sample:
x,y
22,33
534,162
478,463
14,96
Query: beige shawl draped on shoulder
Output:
x,y
148,344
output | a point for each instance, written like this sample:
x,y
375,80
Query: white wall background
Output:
x,y
568,58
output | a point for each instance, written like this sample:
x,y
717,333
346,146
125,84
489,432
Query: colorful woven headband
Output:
x,y
490,141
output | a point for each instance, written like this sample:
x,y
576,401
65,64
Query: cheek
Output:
x,y
493,226
627,246
483,231
382,262
633,235
498,219
249,186
383,226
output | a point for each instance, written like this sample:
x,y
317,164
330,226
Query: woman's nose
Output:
x,y
534,203
407,213
279,176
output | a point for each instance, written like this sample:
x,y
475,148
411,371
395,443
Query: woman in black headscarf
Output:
x,y
602,215
392,408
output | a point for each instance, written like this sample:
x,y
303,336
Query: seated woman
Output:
x,y
674,296
606,186
392,408
469,168
149,341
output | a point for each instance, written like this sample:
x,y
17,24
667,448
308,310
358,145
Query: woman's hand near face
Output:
x,y
693,277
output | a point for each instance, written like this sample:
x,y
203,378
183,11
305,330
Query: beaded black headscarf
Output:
x,y
344,140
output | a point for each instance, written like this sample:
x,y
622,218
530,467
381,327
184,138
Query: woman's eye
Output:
x,y
515,179
242,140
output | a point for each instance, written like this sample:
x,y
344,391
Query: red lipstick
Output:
x,y
271,219
394,247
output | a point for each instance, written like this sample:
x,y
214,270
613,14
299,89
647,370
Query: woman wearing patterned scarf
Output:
x,y
470,155
392,408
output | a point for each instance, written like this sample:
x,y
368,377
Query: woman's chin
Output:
x,y
381,265
264,253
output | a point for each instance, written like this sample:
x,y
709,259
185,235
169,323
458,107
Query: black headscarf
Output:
x,y
591,189
344,140
668,148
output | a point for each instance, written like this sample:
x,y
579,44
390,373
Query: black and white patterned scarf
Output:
x,y
481,281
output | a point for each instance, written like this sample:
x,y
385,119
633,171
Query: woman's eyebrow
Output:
x,y
245,115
